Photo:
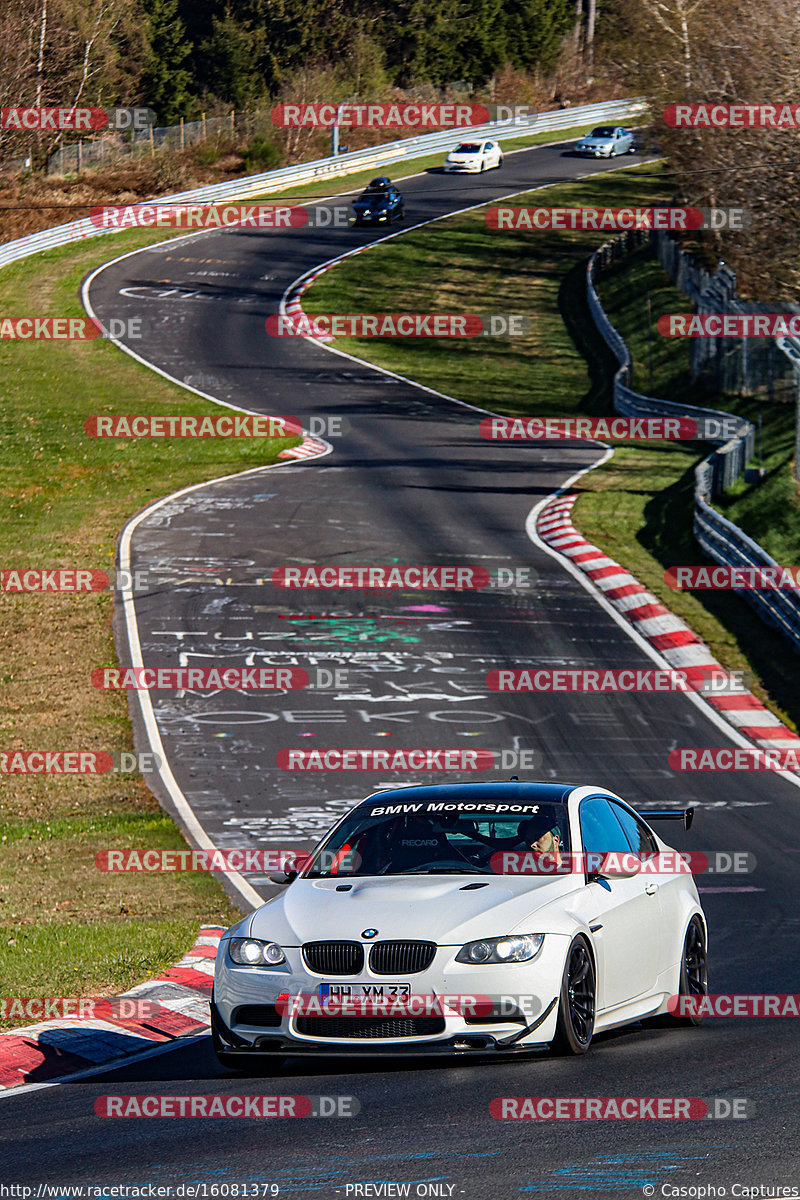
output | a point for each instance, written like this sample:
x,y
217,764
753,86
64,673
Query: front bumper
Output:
x,y
471,1042
462,168
531,990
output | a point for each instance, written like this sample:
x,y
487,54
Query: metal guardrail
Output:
x,y
344,164
718,537
734,435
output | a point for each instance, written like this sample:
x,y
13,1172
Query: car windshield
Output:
x,y
467,148
439,837
604,131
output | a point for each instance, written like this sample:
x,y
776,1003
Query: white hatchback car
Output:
x,y
474,157
462,919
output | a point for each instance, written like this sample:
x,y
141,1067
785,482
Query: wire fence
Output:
x,y
739,366
718,537
114,147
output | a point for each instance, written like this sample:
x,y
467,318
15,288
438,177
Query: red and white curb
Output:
x,y
665,632
309,448
292,306
50,1049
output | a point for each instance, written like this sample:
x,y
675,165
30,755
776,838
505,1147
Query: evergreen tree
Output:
x,y
536,30
240,71
167,83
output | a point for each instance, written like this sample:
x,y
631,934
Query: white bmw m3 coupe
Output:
x,y
478,918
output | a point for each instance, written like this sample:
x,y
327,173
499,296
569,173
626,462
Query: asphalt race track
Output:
x,y
411,481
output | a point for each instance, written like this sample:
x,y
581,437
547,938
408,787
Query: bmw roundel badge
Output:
x,y
369,933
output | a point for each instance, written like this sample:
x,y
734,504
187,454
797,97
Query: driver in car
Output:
x,y
541,835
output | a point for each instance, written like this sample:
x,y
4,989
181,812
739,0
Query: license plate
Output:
x,y
382,990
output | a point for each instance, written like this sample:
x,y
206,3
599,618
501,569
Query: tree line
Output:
x,y
181,57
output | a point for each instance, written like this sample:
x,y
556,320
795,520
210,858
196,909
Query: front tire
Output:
x,y
575,1023
499,162
693,979
482,166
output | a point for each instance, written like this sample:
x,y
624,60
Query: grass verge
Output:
x,y
64,924
639,506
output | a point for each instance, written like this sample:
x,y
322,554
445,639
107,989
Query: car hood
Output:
x,y
427,908
591,141
463,157
378,202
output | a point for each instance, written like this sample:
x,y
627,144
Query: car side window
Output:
x,y
638,834
601,832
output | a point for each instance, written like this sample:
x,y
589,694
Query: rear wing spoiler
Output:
x,y
668,814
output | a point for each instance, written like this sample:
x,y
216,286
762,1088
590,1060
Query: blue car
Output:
x,y
379,203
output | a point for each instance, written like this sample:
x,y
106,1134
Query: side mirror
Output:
x,y
283,879
614,865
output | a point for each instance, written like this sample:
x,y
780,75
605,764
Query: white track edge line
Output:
x,y
706,709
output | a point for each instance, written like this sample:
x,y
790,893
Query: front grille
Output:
x,y
344,1029
401,958
334,958
263,1016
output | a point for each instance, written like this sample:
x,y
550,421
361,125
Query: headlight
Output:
x,y
250,952
517,947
